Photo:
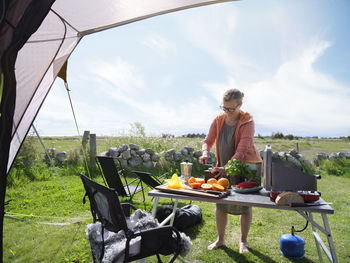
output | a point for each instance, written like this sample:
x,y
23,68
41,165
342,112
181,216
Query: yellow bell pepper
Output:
x,y
174,182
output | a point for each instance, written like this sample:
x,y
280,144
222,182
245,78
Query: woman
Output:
x,y
233,132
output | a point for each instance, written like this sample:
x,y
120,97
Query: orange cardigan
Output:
x,y
244,144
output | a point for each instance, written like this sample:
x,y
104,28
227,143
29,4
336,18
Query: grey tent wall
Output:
x,y
29,21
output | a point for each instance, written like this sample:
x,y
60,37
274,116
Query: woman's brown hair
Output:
x,y
234,94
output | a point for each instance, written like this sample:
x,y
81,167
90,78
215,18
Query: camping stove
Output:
x,y
281,176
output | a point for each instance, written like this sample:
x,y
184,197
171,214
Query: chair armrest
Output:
x,y
135,180
159,230
160,240
121,173
164,176
135,172
149,174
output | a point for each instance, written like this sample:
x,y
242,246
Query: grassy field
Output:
x,y
46,201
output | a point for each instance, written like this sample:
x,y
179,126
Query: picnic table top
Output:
x,y
258,199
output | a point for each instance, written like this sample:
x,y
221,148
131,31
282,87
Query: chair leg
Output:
x,y
143,192
159,260
174,257
103,243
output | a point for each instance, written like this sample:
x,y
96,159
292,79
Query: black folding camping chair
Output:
x,y
149,179
107,209
112,173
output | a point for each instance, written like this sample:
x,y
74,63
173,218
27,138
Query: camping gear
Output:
x,y
113,173
281,175
185,217
114,217
292,246
321,230
186,170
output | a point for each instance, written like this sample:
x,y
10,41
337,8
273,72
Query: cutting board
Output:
x,y
187,190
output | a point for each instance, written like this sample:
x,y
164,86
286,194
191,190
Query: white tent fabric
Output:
x,y
41,58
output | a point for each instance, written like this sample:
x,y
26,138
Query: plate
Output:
x,y
248,190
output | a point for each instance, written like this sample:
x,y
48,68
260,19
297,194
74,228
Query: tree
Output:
x,y
137,129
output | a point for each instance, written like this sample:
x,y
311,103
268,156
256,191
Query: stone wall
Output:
x,y
133,155
298,159
333,156
291,156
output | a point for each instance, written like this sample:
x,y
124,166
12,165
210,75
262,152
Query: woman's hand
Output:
x,y
204,158
218,172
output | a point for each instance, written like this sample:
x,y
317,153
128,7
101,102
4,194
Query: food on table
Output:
x,y
195,185
199,183
200,180
192,180
174,182
287,198
207,186
218,187
212,181
224,182
247,184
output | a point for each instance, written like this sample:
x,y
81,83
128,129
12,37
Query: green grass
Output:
x,y
31,242
46,201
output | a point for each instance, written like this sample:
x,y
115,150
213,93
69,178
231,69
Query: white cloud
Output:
x,y
157,116
120,73
290,95
299,99
160,45
294,97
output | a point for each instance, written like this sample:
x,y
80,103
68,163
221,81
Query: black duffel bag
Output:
x,y
185,216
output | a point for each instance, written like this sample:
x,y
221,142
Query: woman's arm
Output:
x,y
245,140
210,138
208,142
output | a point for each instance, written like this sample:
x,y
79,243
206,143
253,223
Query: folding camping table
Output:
x,y
262,199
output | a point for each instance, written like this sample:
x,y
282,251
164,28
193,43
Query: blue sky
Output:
x,y
290,58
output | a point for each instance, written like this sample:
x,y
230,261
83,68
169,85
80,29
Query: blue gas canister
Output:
x,y
292,246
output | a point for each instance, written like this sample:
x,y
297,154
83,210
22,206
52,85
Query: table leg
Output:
x,y
155,204
318,241
329,237
314,231
174,212
170,217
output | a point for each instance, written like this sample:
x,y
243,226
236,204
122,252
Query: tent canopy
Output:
x,y
36,39
43,55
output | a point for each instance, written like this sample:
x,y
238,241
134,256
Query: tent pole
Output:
x,y
2,209
53,165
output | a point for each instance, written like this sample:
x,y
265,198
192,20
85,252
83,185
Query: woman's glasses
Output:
x,y
228,109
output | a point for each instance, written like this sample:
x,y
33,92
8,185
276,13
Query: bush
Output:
x,y
73,157
22,169
337,167
278,135
35,172
260,136
193,135
291,137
